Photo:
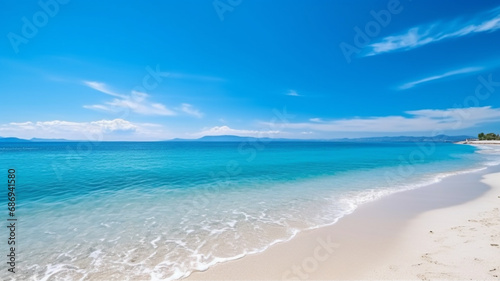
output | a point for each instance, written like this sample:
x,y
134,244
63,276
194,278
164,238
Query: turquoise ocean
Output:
x,y
161,210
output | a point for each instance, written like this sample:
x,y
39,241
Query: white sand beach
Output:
x,y
480,142
448,230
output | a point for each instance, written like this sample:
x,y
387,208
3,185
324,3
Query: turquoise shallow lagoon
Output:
x,y
159,210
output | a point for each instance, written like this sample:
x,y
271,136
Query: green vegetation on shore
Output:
x,y
490,136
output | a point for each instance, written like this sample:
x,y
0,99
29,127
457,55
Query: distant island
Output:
x,y
232,138
12,139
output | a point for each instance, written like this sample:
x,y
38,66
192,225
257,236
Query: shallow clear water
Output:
x,y
142,211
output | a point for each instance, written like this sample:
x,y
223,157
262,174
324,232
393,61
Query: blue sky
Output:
x,y
152,70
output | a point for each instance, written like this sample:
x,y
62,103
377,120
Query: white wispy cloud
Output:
x,y
414,121
190,110
101,87
293,93
137,102
441,76
316,120
94,126
116,129
225,130
418,36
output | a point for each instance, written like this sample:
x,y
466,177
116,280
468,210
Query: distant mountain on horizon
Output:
x,y
232,138
13,139
50,140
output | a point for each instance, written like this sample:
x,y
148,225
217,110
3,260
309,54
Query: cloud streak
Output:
x,y
414,121
293,93
94,126
190,110
116,129
137,102
425,120
441,76
419,36
101,87
225,130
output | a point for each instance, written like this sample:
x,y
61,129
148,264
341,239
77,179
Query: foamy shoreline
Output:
x,y
415,234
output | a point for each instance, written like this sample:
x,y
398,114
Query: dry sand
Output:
x,y
459,242
478,142
448,230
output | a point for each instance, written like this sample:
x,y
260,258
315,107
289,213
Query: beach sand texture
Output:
x,y
459,242
448,230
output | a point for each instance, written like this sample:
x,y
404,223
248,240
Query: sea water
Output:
x,y
161,210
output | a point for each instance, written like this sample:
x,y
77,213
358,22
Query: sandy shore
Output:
x,y
490,142
448,230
